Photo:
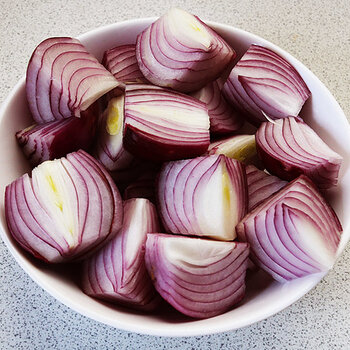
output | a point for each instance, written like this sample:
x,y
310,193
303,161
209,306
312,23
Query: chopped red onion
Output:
x,y
293,233
121,62
200,278
69,208
240,147
264,83
261,185
181,52
117,272
162,124
289,147
109,148
204,196
223,117
63,79
56,139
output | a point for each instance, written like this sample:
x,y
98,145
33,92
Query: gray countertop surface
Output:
x,y
315,32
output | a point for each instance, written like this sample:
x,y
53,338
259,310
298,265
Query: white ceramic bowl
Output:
x,y
264,298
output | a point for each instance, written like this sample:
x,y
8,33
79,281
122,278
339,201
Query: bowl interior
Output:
x,y
264,296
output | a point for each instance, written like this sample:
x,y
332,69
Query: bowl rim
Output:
x,y
171,330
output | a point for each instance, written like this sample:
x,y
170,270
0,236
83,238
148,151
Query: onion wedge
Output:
x,y
240,147
121,62
162,124
293,233
66,210
63,79
289,147
181,52
117,272
55,139
204,196
223,117
264,83
109,148
261,185
198,277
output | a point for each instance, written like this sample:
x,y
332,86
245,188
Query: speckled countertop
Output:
x,y
315,32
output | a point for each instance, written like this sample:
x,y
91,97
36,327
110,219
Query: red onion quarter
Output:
x,y
200,278
68,208
293,233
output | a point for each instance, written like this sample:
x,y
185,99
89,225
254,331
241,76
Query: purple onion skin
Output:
x,y
190,67
196,290
56,139
261,185
117,273
148,147
38,231
324,173
278,232
262,66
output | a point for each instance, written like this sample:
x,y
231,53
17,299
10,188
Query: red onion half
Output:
x,y
264,83
117,272
223,118
261,185
121,62
162,124
109,148
63,79
181,52
200,278
289,147
204,196
240,147
293,233
55,139
69,208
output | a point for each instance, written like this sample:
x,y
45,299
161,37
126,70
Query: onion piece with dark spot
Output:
x,y
198,277
161,124
109,148
181,52
204,196
223,117
63,79
289,147
117,272
264,83
293,233
261,185
69,208
121,62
